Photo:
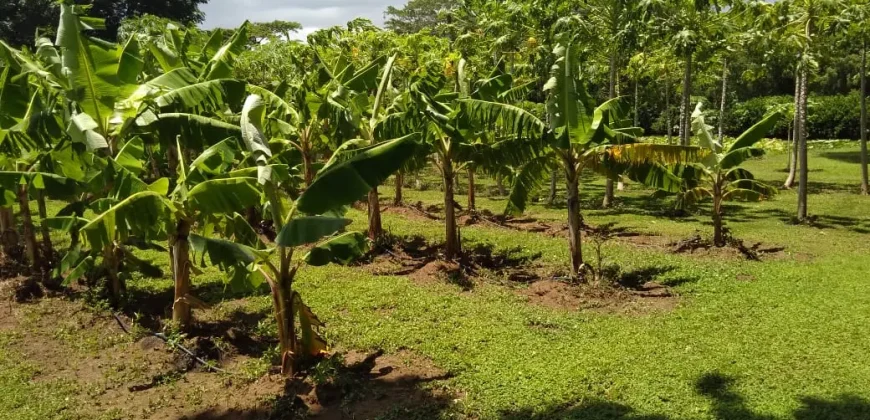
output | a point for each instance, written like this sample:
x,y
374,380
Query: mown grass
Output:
x,y
782,338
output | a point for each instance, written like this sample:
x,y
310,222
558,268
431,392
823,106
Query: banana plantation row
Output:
x,y
153,142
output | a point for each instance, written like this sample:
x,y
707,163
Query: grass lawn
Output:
x,y
784,338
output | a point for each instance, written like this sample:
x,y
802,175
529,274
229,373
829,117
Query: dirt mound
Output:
x,y
436,270
647,298
734,248
368,386
411,213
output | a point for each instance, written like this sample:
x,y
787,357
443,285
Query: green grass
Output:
x,y
792,342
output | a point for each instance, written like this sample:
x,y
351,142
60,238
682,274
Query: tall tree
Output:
x,y
20,19
858,26
416,15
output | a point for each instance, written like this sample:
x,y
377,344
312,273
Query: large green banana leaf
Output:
x,y
343,249
208,95
309,229
348,181
94,67
224,196
220,66
143,214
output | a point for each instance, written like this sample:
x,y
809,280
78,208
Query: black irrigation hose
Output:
x,y
163,337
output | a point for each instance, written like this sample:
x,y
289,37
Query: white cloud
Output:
x,y
311,14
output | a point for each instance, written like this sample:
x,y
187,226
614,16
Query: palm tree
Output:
x,y
858,26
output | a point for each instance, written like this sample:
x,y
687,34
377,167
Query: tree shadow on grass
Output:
x,y
853,156
727,404
151,306
596,410
373,387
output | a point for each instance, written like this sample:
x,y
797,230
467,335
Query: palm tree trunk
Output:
x,y
611,93
46,233
788,132
724,99
400,179
685,103
793,155
30,247
452,246
802,150
865,188
551,198
575,229
471,192
670,124
181,272
376,229
499,185
8,230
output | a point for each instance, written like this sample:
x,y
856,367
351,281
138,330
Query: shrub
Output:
x,y
829,117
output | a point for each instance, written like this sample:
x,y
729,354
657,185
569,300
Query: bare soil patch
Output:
x,y
646,298
424,262
410,213
141,376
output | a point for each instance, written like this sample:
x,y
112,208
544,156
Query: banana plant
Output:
x,y
313,216
132,213
577,135
24,186
718,175
203,192
454,130
366,121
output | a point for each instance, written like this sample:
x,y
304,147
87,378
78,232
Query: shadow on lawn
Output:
x,y
852,156
726,404
366,389
596,410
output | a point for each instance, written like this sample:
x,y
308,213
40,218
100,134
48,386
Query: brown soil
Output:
x,y
423,262
370,385
734,249
410,213
436,270
140,376
647,298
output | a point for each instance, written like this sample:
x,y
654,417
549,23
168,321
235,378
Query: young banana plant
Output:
x,y
313,218
455,129
577,135
130,213
719,175
206,190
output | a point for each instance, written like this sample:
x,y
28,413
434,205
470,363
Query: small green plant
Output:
x,y
327,369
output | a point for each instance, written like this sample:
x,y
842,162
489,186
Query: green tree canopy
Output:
x,y
20,19
416,15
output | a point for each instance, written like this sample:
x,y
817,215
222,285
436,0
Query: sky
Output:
x,y
313,15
